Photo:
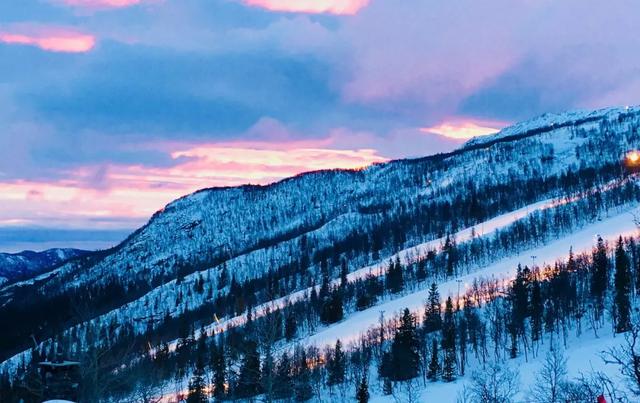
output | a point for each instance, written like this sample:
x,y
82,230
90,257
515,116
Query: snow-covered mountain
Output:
x,y
28,264
222,257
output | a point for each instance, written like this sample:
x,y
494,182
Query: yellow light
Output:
x,y
633,157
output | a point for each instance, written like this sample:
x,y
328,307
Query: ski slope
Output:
x,y
406,256
583,240
583,355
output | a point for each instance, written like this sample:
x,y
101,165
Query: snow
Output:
x,y
583,354
358,323
552,120
406,256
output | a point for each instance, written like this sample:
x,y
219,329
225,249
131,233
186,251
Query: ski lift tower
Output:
x,y
61,379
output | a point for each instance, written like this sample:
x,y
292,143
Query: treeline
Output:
x,y
547,302
424,218
331,304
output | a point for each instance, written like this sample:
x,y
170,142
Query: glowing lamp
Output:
x,y
632,162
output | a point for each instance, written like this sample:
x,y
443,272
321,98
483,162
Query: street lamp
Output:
x,y
632,161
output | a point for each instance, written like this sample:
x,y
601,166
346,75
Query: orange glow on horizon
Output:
x,y
633,157
136,191
463,130
338,7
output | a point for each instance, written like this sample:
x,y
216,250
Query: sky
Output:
x,y
109,109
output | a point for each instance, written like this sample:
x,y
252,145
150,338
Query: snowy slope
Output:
x,y
254,229
28,264
504,270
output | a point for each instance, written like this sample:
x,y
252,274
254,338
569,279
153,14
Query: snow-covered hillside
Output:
x,y
222,258
27,264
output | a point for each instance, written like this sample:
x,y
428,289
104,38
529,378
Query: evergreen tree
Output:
x,y
434,363
433,315
219,368
449,342
336,366
536,309
362,394
421,271
290,327
405,356
622,284
283,387
223,277
394,278
600,276
303,390
449,249
332,310
249,377
344,271
386,366
462,342
197,385
518,297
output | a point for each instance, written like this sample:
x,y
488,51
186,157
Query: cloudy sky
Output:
x,y
109,109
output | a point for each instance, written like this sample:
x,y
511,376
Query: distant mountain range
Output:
x,y
27,264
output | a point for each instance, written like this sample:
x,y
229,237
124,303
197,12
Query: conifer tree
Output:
x,y
434,363
622,282
332,309
536,309
433,315
449,342
449,249
405,356
219,367
197,385
283,384
336,366
303,390
600,276
223,277
290,327
421,270
394,278
344,271
362,394
462,342
249,377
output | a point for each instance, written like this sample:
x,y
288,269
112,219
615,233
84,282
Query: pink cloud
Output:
x,y
136,192
339,7
49,39
101,3
464,129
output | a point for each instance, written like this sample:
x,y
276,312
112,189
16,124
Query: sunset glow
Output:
x,y
135,192
52,40
101,3
340,7
461,130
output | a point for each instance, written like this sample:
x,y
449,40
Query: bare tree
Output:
x,y
103,370
551,382
407,391
627,357
496,383
587,388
